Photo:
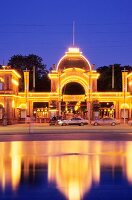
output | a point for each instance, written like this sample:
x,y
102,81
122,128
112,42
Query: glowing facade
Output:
x,y
73,67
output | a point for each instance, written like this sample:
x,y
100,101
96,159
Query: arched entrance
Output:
x,y
73,100
73,88
72,68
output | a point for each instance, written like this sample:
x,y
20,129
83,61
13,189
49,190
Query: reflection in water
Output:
x,y
74,173
15,163
73,166
129,162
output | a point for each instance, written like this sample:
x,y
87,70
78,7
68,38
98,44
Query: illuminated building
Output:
x,y
73,67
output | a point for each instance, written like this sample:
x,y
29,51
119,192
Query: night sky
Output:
x,y
103,29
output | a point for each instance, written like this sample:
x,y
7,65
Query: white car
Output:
x,y
130,122
105,121
73,121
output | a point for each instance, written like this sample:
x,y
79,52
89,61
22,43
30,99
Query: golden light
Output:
x,y
1,79
3,66
73,50
1,104
77,106
124,105
15,82
53,110
74,174
13,104
16,73
129,75
130,83
54,76
71,70
22,106
16,164
129,162
73,166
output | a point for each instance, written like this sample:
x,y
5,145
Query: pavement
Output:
x,y
42,131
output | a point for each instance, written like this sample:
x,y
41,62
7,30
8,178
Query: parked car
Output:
x,y
130,122
73,121
105,121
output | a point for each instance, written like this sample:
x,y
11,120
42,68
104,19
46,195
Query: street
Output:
x,y
41,131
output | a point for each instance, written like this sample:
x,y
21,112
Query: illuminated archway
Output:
x,y
76,79
73,88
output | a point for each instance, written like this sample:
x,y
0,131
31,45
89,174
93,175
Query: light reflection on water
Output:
x,y
70,169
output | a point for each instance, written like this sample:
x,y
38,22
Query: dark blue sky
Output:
x,y
103,29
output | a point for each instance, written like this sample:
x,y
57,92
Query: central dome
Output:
x,y
73,59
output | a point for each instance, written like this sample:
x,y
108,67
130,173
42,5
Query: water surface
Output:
x,y
66,170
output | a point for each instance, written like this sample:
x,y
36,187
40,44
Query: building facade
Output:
x,y
72,69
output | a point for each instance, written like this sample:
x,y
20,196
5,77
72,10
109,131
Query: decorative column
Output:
x,y
59,87
88,111
26,89
124,90
26,81
89,98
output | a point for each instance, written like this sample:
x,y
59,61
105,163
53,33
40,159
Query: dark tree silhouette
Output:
x,y
20,63
105,79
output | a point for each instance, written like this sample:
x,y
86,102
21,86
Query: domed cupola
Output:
x,y
73,59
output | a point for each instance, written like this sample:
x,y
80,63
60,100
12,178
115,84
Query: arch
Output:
x,y
76,79
73,88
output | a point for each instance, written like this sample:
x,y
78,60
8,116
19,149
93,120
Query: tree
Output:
x,y
20,63
105,79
